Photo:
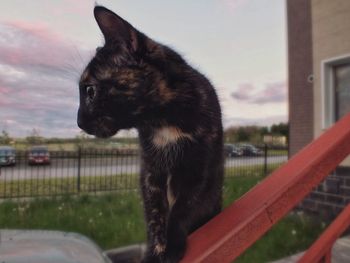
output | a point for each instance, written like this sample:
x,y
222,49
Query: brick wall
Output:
x,y
300,68
330,197
325,35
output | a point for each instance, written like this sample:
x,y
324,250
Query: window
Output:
x,y
341,90
335,89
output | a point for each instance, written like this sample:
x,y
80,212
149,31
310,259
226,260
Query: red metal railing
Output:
x,y
236,228
321,250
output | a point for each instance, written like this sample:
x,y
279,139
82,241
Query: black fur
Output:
x,y
135,82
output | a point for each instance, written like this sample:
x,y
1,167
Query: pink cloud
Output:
x,y
275,92
34,44
4,90
39,69
40,30
243,92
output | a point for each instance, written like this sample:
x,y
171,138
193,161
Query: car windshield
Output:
x,y
39,150
231,147
249,146
6,152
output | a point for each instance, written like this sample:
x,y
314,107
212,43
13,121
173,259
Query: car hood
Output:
x,y
36,246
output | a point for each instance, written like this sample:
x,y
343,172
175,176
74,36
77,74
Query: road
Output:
x,y
68,167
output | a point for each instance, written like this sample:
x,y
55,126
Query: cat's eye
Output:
x,y
91,91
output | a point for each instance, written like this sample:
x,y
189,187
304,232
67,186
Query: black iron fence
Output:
x,y
88,170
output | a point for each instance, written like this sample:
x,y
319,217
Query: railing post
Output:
x,y
79,168
265,159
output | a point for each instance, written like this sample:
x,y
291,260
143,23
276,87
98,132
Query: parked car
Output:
x,y
38,155
7,156
232,150
250,150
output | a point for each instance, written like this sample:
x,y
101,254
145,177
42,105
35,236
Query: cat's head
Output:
x,y
119,84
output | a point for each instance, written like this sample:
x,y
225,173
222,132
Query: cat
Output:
x,y
133,81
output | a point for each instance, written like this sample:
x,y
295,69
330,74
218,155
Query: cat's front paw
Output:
x,y
151,259
154,254
174,254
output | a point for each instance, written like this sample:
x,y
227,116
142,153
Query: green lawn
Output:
x,y
114,220
274,152
66,185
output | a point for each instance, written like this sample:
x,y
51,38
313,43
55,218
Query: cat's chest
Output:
x,y
163,147
164,137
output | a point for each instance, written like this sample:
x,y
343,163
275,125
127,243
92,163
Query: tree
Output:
x,y
34,137
280,129
254,134
5,137
251,133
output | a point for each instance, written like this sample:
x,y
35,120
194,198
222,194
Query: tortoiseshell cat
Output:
x,y
134,81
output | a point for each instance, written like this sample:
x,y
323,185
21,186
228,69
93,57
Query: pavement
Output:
x,y
340,253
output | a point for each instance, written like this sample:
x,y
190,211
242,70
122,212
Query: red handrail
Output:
x,y
321,250
231,232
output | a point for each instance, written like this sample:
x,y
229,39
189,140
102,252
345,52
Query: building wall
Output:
x,y
331,39
299,70
329,198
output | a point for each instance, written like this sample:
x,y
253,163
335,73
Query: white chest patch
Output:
x,y
167,135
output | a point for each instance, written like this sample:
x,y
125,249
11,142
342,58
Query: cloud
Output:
x,y
274,92
26,45
267,121
244,92
39,70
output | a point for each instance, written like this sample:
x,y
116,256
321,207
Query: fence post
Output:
x,y
79,166
265,159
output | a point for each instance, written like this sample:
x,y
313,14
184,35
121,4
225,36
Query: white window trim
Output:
x,y
327,88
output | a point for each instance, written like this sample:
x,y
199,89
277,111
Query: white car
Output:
x,y
7,156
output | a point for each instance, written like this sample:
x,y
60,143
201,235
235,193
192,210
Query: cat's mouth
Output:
x,y
101,127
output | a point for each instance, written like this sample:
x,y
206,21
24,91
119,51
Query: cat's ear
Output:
x,y
113,27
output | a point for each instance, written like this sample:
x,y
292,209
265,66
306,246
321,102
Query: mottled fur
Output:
x,y
133,81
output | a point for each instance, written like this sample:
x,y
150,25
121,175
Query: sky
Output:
x,y
240,45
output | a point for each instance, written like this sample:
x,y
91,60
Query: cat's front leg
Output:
x,y
156,207
177,230
180,218
185,211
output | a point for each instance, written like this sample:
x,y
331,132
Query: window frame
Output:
x,y
328,88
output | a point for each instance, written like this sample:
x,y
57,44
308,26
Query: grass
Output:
x,y
66,185
114,220
235,187
274,152
22,146
110,220
292,234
